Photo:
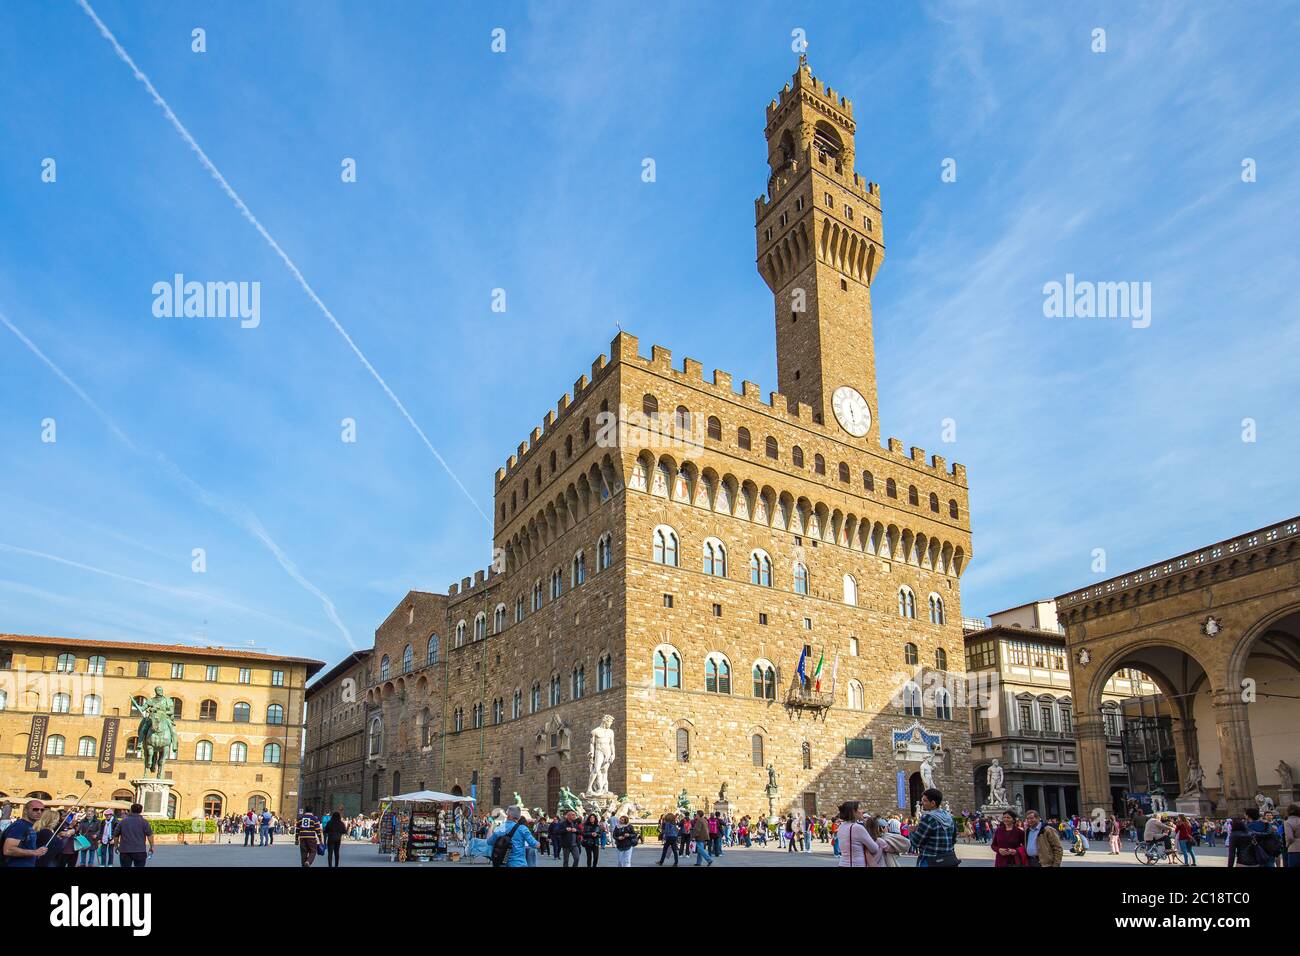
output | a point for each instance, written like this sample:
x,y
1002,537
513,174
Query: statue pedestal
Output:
x,y
1194,804
724,807
996,809
154,796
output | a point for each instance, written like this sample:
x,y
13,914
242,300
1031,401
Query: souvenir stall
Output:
x,y
425,825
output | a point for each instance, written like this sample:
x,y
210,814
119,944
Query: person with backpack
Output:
x,y
668,833
700,834
935,834
1253,842
509,843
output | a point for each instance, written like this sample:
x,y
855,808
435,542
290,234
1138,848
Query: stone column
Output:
x,y
1237,753
1060,795
1094,773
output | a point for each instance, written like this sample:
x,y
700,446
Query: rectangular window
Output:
x,y
830,201
521,759
1017,653
807,624
212,672
853,647
717,610
246,675
178,671
668,600
858,748
762,618
141,668
277,678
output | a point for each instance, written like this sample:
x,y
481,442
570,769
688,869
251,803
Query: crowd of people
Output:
x,y
86,837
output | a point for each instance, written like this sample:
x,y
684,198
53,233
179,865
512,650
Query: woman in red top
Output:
x,y
1009,842
1183,828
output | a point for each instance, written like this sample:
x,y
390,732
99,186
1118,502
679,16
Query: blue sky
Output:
x,y
522,171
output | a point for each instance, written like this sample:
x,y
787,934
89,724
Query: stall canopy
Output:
x,y
428,796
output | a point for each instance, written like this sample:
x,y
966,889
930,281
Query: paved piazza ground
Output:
x,y
285,853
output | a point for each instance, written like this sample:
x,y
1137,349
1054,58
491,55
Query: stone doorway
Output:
x,y
553,790
810,804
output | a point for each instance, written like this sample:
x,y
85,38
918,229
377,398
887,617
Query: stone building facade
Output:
x,y
333,766
66,720
1028,723
1218,631
667,546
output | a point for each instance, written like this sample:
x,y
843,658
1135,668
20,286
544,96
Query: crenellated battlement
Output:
x,y
803,82
481,577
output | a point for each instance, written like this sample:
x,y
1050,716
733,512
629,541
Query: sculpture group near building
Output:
x,y
157,732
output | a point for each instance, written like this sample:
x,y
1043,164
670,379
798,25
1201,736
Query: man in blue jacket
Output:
x,y
520,837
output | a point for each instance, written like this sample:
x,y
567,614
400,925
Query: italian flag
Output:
x,y
817,674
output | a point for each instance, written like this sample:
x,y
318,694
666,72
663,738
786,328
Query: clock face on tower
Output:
x,y
851,411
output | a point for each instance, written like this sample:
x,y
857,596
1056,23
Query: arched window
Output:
x,y
578,682
239,752
408,659
498,711
555,690
67,663
383,668
480,626
60,703
604,673
819,464
461,628
940,659
683,745
850,590
478,715
764,680
275,714
942,704
715,429
517,705
86,747
95,664
891,488
806,752
375,739
242,713
535,697
906,602
952,508
499,619
742,439
55,744
855,695
936,609
537,595
868,481
934,502
557,583
203,751
665,546
682,419
519,608
208,710
579,568
909,654
796,456
912,700
717,674
844,472
715,558
911,495
458,720
772,449
434,647
604,552
668,668
800,578
650,406
212,805
271,753
756,749
92,705
760,569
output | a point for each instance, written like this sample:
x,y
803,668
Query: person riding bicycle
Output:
x,y
1157,831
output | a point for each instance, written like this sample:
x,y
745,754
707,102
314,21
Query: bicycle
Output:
x,y
1152,852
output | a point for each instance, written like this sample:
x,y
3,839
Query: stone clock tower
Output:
x,y
820,244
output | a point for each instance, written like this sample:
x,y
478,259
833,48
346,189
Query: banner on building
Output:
x,y
36,742
108,744
901,782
